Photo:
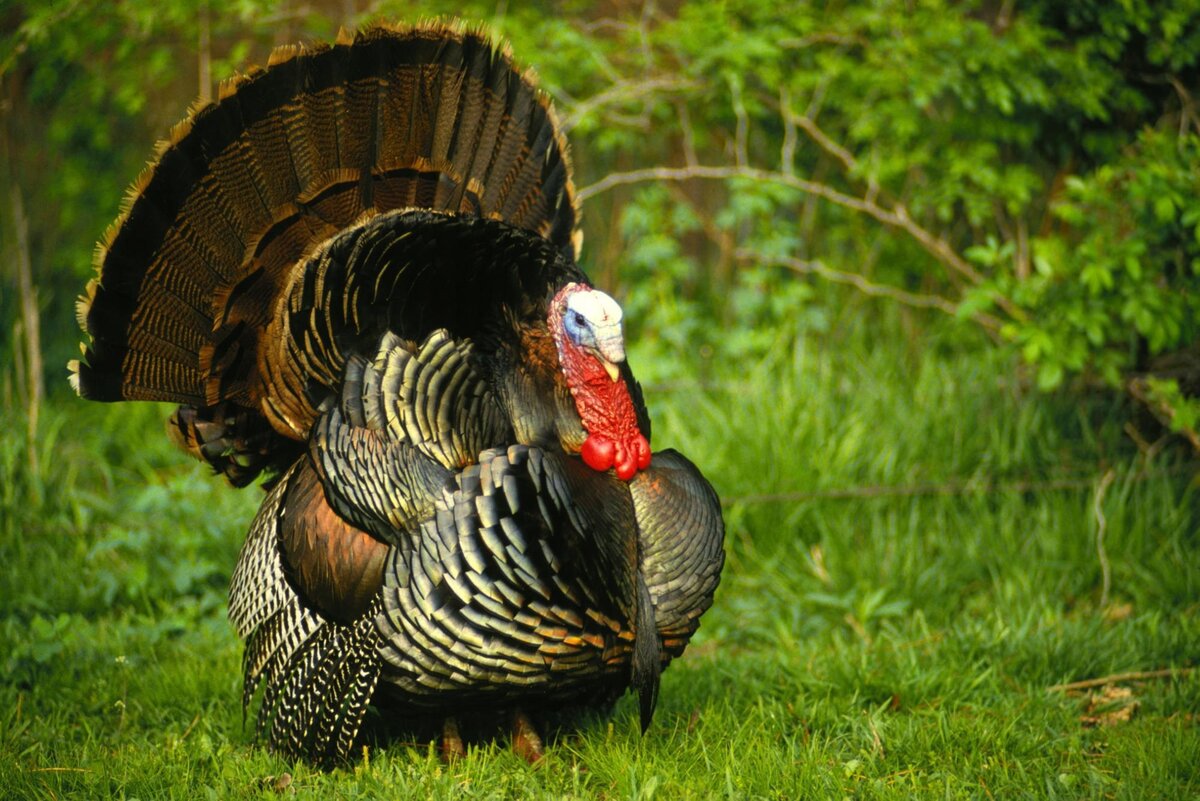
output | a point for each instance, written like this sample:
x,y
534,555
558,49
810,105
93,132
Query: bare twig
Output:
x,y
605,24
1141,391
721,238
893,214
807,122
806,220
867,287
1117,678
801,42
622,92
689,134
27,348
787,151
30,322
741,153
204,53
815,266
823,141
932,243
896,217
20,38
1187,106
1101,527
1148,450
649,11
191,726
817,100
1004,16
1022,255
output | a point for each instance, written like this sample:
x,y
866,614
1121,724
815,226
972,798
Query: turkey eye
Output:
x,y
579,320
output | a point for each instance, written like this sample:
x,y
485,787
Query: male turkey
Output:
x,y
356,271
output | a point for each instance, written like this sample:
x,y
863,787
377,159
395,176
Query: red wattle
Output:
x,y
627,466
598,452
643,452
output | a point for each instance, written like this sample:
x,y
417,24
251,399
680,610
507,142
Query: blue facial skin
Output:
x,y
579,330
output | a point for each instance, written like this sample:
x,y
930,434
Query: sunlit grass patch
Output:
x,y
913,568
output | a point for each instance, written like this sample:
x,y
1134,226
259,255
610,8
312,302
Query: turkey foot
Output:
x,y
452,744
525,740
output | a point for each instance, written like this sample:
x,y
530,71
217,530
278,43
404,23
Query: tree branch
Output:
x,y
787,151
741,153
1142,392
621,92
689,134
204,52
1187,106
896,217
802,42
1116,678
867,287
823,141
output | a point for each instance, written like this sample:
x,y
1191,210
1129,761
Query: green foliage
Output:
x,y
112,517
88,88
1121,281
1029,167
1050,149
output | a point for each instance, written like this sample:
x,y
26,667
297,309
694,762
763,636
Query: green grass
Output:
x,y
885,646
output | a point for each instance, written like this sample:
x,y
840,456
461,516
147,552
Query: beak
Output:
x,y
613,372
610,349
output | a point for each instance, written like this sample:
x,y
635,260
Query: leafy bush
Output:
x,y
1024,171
1119,283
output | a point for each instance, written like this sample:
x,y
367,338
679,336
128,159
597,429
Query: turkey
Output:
x,y
355,274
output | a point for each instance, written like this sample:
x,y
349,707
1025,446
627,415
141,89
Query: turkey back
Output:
x,y
248,190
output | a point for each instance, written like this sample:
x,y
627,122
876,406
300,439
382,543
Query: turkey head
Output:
x,y
586,325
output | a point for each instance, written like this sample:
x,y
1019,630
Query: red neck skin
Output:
x,y
604,406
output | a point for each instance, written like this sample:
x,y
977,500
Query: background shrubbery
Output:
x,y
1029,169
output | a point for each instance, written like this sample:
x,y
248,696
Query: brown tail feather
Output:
x,y
430,117
233,440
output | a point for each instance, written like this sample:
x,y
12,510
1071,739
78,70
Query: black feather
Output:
x,y
646,665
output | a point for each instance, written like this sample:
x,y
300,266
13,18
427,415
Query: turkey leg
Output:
x,y
525,740
452,743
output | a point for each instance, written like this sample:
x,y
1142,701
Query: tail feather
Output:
x,y
233,441
248,187
646,664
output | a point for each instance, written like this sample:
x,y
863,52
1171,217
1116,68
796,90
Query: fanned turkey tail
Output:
x,y
247,188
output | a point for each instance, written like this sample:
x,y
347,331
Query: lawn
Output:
x,y
920,552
